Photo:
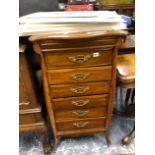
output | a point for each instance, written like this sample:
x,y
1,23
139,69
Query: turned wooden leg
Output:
x,y
128,93
119,110
121,99
106,134
133,95
127,139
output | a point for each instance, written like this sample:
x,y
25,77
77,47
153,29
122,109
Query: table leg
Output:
x,y
127,139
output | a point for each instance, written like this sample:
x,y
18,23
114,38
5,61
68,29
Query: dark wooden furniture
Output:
x,y
30,117
79,73
126,79
125,7
126,70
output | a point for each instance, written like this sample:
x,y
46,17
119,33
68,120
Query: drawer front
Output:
x,y
69,90
28,119
80,113
80,58
80,102
59,44
82,124
79,75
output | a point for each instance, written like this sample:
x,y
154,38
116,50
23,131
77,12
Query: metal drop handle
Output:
x,y
79,90
81,112
24,103
79,77
80,124
80,103
79,58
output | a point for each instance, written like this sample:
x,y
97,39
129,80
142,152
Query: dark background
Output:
x,y
31,6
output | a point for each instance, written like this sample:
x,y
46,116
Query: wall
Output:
x,y
31,6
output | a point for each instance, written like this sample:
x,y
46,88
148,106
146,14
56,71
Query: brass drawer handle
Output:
x,y
80,112
80,103
80,124
79,90
24,103
79,77
79,58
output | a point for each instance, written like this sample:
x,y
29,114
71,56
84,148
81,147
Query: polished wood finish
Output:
x,y
74,76
79,89
87,131
30,117
72,58
81,124
126,69
52,44
79,75
80,113
93,101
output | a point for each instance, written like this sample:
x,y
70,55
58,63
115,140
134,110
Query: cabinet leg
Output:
x,y
106,134
46,144
55,143
128,93
133,96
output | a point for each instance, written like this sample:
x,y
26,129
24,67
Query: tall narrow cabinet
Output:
x,y
79,73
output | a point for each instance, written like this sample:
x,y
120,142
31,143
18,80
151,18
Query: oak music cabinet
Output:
x,y
30,117
79,73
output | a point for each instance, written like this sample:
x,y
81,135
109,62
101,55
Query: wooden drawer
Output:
x,y
79,75
78,58
81,102
59,44
80,113
28,119
81,124
80,89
